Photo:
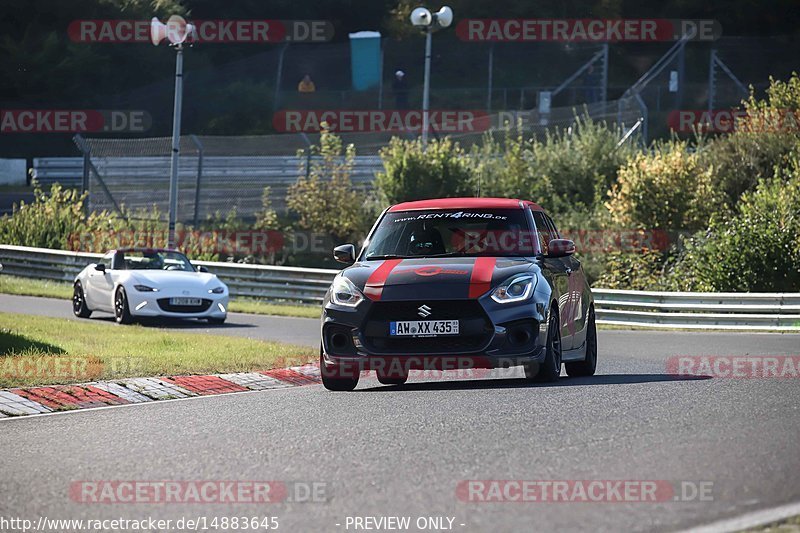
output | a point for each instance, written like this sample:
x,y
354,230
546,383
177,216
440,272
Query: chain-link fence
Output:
x,y
220,175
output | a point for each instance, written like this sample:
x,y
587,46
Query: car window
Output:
x,y
552,226
483,232
106,260
154,260
544,230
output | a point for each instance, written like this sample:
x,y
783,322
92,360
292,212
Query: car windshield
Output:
x,y
442,233
153,260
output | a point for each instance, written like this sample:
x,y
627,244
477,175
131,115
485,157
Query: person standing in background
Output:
x,y
306,85
400,90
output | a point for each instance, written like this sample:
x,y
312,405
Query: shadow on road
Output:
x,y
178,323
606,379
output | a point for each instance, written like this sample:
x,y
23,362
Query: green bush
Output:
x,y
500,165
412,173
633,271
325,200
665,189
571,167
756,248
48,222
565,170
762,140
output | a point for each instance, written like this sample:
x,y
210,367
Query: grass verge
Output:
x,y
790,525
40,350
60,289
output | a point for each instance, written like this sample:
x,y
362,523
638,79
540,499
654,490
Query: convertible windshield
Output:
x,y
152,260
452,233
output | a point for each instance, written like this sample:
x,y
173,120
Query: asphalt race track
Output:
x,y
402,451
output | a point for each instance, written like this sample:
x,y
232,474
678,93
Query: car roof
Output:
x,y
465,203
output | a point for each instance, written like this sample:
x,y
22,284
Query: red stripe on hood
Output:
x,y
481,279
374,285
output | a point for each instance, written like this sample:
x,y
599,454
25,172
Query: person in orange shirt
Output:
x,y
306,85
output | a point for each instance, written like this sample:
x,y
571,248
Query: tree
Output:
x,y
325,200
411,172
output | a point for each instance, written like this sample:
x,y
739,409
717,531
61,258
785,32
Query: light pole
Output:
x,y
176,30
429,22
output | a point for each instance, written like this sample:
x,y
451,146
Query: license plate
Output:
x,y
423,328
185,301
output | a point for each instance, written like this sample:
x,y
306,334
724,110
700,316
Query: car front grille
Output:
x,y
164,304
476,328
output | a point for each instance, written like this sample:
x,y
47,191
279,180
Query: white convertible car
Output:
x,y
136,283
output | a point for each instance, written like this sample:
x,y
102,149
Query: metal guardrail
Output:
x,y
699,310
307,285
691,310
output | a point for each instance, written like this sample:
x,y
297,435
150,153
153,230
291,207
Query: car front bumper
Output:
x,y
510,335
155,304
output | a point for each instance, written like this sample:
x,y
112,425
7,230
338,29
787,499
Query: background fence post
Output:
x,y
199,146
87,161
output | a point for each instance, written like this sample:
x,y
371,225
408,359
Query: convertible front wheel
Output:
x,y
121,311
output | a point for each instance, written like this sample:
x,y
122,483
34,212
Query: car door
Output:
x,y
574,313
558,269
100,284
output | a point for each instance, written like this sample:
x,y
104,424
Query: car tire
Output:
x,y
548,370
216,321
334,378
392,380
79,307
588,366
121,311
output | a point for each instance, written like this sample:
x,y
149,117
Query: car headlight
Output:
x,y
145,288
216,290
343,292
515,289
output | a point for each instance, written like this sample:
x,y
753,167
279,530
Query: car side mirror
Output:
x,y
100,267
346,253
560,248
202,269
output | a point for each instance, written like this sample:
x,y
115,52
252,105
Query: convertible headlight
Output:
x,y
515,289
145,288
216,290
343,292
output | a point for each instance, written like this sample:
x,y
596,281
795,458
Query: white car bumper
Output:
x,y
155,304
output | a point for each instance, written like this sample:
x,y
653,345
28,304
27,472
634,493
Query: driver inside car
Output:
x,y
426,241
